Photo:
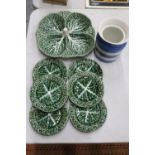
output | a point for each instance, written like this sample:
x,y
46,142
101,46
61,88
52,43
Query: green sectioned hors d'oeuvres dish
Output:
x,y
85,89
49,93
88,119
65,34
48,123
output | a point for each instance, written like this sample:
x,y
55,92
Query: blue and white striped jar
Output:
x,y
111,39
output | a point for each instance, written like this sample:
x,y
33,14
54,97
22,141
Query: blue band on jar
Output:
x,y
104,59
111,48
107,54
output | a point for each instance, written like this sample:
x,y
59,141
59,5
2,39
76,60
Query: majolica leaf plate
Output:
x,y
48,123
65,34
88,119
85,65
48,93
53,67
85,89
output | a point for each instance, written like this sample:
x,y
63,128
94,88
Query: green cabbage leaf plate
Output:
x,y
65,35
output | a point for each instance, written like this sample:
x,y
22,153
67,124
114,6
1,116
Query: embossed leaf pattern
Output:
x,y
85,89
88,116
48,120
85,65
51,44
48,123
64,14
79,43
88,119
48,93
77,23
52,67
90,31
65,35
52,24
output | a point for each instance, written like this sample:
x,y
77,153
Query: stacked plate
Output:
x,y
50,92
87,111
48,95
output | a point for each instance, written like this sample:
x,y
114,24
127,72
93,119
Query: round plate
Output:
x,y
85,89
49,67
85,65
88,119
66,35
49,93
48,123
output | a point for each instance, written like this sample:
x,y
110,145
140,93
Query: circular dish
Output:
x,y
66,35
85,89
85,65
49,67
48,93
48,123
88,119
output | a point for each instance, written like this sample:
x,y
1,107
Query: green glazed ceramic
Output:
x,y
48,123
52,67
85,89
65,34
88,119
49,93
85,65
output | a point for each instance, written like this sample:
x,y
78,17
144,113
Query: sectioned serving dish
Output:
x,y
65,34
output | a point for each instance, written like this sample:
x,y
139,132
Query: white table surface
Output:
x,y
76,4
116,94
